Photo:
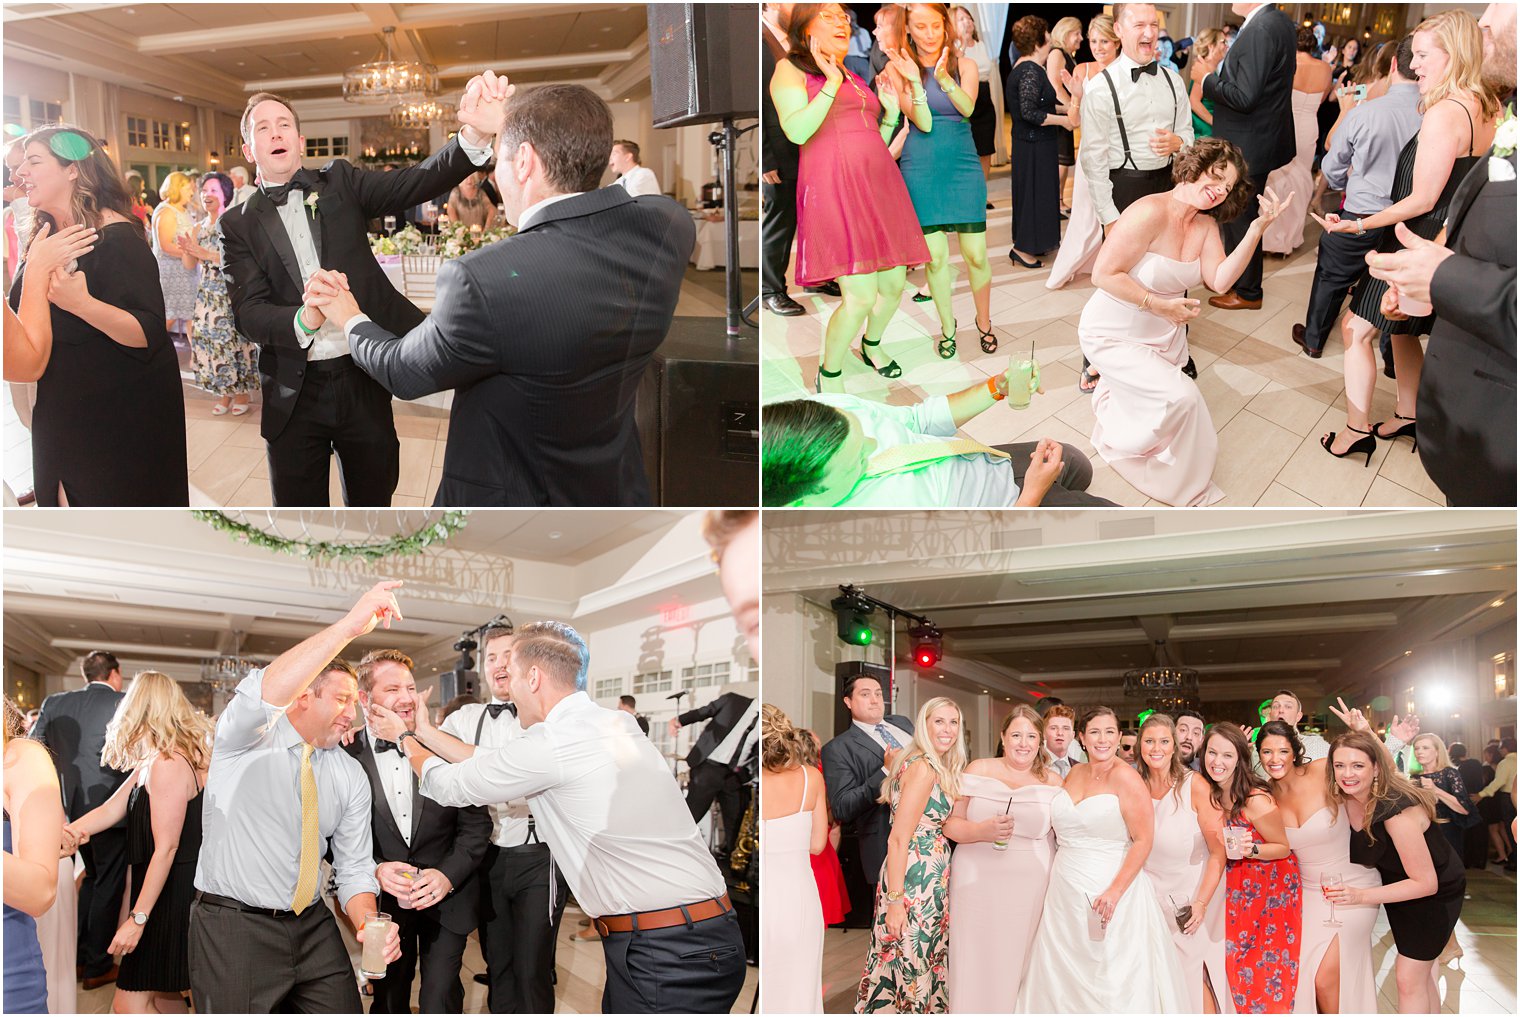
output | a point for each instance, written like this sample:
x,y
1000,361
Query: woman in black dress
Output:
x,y
109,425
1037,126
1065,41
1393,830
1460,117
166,742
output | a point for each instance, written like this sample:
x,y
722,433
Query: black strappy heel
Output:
x,y
989,341
822,374
1404,431
946,345
891,370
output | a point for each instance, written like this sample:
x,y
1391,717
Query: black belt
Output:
x,y
332,365
217,900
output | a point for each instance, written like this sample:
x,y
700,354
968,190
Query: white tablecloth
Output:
x,y
712,249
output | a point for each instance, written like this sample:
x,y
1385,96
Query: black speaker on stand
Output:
x,y
704,61
457,683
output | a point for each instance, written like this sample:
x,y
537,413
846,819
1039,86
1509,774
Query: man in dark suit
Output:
x,y
73,727
315,401
854,766
723,759
544,336
630,706
778,182
1466,402
1252,92
428,854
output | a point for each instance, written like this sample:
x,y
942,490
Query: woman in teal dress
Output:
x,y
225,363
908,964
942,170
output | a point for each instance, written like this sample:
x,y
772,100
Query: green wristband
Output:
x,y
302,324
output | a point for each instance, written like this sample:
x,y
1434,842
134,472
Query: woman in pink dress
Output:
x,y
1336,968
1084,234
1311,78
1152,424
1263,914
1186,863
855,221
793,826
997,893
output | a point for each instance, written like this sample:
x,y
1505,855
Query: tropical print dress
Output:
x,y
225,363
908,975
1263,918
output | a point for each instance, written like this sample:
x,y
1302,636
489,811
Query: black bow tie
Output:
x,y
1135,72
496,708
381,745
302,181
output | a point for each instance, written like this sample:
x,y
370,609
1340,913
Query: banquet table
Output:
x,y
712,250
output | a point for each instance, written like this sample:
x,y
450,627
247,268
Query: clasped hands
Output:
x,y
483,106
327,294
417,888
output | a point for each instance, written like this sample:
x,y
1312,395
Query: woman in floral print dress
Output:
x,y
907,967
225,363
1263,892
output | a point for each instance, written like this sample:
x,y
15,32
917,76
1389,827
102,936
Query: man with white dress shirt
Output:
x,y
524,894
280,794
242,189
428,855
1060,739
854,769
604,800
635,177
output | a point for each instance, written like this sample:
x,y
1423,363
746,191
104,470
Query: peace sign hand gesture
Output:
x,y
1350,716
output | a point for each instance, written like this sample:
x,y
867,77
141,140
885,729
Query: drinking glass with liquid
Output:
x,y
377,925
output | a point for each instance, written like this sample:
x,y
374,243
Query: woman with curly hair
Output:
x,y
906,968
1393,829
166,743
794,826
1152,425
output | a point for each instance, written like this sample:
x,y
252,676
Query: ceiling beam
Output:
x,y
456,71
54,10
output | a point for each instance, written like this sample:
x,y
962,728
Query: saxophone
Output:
x,y
741,859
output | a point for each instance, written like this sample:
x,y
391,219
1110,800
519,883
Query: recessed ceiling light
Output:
x,y
984,692
1498,603
605,28
240,63
555,534
1408,653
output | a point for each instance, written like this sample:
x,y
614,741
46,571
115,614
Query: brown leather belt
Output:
x,y
645,921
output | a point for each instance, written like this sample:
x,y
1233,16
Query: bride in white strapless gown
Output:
x,y
1129,966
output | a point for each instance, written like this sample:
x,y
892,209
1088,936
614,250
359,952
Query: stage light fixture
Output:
x,y
852,616
928,644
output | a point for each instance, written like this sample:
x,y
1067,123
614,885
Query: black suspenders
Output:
x,y
1129,158
480,726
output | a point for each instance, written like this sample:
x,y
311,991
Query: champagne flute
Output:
x,y
1330,881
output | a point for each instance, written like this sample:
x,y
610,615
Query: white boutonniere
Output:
x,y
1505,140
311,204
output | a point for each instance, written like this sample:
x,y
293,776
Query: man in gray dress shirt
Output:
x,y
280,793
1361,160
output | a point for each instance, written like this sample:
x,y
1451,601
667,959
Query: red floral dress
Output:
x,y
1263,920
908,974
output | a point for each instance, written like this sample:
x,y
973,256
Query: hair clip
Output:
x,y
71,145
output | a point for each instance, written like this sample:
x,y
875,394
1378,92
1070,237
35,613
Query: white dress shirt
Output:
x,y
903,737
639,180
251,815
509,820
970,481
241,194
605,802
1146,104
735,746
396,778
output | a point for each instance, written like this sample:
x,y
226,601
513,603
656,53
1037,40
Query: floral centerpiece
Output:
x,y
452,240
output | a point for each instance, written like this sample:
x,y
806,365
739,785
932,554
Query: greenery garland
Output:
x,y
400,545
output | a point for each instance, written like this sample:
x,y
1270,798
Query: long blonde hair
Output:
x,y
1460,38
947,770
1062,29
155,719
1388,784
1205,41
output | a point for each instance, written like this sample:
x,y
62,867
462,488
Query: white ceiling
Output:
x,y
218,53
1323,603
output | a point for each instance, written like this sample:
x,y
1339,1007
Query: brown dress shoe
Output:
x,y
1231,301
1298,337
105,978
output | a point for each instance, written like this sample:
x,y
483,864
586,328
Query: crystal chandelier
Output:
x,y
1162,680
388,79
223,673
421,114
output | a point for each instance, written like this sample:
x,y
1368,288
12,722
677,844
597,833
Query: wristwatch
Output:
x,y
140,917
403,736
1360,229
1255,849
893,896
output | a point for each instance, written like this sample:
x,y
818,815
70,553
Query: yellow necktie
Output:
x,y
306,879
907,458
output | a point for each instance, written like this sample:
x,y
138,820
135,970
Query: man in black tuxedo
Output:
x,y
854,766
630,706
546,335
1466,402
73,727
428,854
315,401
723,759
1252,92
778,184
